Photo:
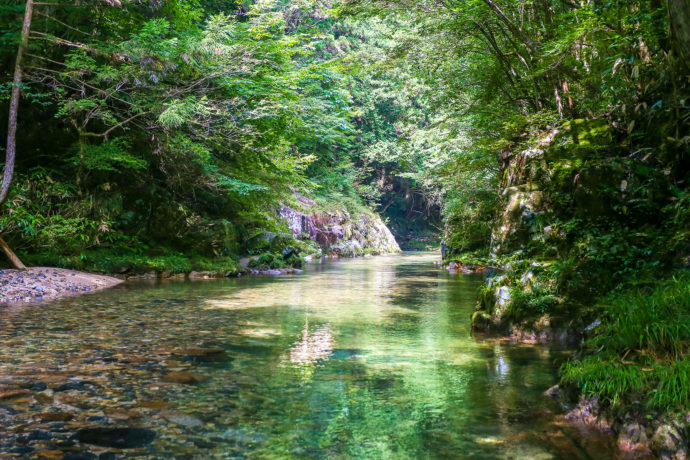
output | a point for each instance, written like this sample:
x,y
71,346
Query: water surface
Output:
x,y
365,358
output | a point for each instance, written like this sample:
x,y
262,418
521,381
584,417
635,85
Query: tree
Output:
x,y
10,154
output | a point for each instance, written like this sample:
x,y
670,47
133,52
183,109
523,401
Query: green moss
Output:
x,y
218,264
482,321
533,303
486,298
580,139
289,257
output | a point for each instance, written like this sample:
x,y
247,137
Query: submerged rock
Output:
x,y
243,436
182,419
83,456
588,413
50,454
78,385
156,404
12,393
121,438
122,414
56,416
632,438
554,393
206,354
186,378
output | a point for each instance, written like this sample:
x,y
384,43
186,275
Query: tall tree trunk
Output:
x,y
679,17
14,106
12,125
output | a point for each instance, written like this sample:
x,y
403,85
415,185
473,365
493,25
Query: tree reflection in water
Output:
x,y
312,347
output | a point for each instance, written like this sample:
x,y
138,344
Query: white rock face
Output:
x,y
339,232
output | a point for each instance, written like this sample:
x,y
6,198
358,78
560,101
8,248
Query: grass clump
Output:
x,y
287,258
539,301
639,352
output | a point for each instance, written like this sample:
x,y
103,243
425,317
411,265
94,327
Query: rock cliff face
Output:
x,y
519,224
563,162
339,232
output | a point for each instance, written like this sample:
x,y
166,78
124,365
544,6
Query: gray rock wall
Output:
x,y
339,232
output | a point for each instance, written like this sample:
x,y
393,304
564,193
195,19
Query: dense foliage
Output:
x,y
175,129
567,136
179,127
162,126
598,92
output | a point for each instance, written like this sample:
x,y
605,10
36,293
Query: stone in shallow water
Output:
x,y
74,385
39,436
12,393
122,414
208,354
80,456
50,454
186,378
203,443
182,419
155,404
256,350
122,438
242,436
77,400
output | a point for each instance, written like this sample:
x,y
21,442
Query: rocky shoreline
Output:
x,y
637,436
209,275
37,284
455,268
45,283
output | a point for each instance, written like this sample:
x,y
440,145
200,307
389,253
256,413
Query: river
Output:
x,y
362,358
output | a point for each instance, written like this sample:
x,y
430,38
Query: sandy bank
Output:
x,y
44,283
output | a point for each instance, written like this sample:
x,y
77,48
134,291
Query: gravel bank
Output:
x,y
43,283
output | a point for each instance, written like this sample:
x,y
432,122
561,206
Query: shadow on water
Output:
x,y
353,359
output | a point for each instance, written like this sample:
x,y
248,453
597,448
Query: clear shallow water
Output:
x,y
366,358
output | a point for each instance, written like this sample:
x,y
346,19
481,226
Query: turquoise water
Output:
x,y
365,358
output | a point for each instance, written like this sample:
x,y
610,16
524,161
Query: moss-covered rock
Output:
x,y
579,140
